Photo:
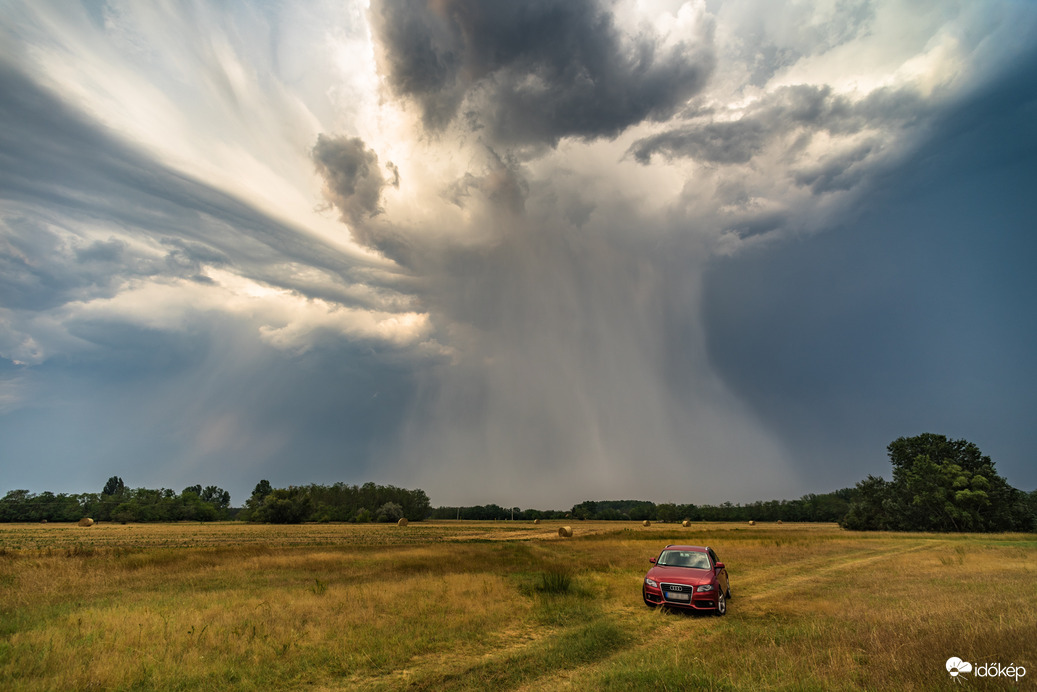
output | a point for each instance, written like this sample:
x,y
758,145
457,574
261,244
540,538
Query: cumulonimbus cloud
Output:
x,y
459,239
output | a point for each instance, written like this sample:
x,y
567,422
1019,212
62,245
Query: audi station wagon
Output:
x,y
688,577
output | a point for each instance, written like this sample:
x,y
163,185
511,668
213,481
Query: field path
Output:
x,y
815,570
671,630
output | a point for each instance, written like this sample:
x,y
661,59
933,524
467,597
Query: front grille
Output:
x,y
674,592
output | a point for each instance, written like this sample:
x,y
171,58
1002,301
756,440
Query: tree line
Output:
x,y
338,502
292,505
938,484
828,507
118,503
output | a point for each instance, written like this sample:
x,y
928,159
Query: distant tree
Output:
x,y
217,497
114,486
193,490
261,490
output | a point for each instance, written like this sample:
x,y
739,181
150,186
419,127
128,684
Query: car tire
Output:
x,y
728,594
721,605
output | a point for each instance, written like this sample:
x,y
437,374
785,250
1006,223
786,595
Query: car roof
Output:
x,y
697,548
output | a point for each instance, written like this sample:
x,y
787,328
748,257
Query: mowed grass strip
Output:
x,y
483,606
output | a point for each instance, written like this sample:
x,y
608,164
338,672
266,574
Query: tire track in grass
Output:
x,y
783,584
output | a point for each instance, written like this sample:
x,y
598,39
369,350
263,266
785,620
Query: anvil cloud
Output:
x,y
527,253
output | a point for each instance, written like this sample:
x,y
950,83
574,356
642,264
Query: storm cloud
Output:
x,y
535,72
527,253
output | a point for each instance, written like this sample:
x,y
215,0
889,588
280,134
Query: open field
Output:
x,y
484,605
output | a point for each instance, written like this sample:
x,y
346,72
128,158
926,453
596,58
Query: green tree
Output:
x,y
261,490
114,486
217,497
869,511
938,484
942,495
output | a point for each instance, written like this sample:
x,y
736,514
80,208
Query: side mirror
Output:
x,y
652,560
720,566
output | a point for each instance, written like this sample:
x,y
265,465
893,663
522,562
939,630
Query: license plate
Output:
x,y
678,596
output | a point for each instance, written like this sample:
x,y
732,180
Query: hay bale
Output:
x,y
86,521
646,523
752,523
402,521
565,531
43,521
536,521
685,523
779,521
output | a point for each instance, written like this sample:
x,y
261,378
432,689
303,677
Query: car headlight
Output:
x,y
704,587
652,583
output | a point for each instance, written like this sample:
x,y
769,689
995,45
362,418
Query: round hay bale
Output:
x,y
752,523
86,521
646,523
402,521
43,521
565,531
779,521
536,521
685,523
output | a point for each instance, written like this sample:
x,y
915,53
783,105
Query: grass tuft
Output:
x,y
556,580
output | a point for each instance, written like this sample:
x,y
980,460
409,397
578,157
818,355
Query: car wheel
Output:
x,y
721,605
728,594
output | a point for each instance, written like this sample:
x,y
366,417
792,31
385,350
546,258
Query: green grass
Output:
x,y
466,605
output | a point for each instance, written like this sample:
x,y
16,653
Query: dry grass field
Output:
x,y
484,605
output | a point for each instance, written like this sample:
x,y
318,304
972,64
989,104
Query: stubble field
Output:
x,y
508,605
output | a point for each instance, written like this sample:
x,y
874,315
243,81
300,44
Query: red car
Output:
x,y
689,577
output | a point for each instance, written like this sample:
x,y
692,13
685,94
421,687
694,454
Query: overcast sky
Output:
x,y
528,253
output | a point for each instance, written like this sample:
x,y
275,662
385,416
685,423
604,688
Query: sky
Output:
x,y
527,253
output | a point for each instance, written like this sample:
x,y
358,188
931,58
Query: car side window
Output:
x,y
713,557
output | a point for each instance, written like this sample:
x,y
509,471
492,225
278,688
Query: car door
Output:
x,y
721,573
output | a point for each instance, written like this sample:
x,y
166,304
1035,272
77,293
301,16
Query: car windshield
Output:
x,y
683,558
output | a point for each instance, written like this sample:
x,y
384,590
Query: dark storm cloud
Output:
x,y
532,72
353,184
353,181
920,311
801,109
